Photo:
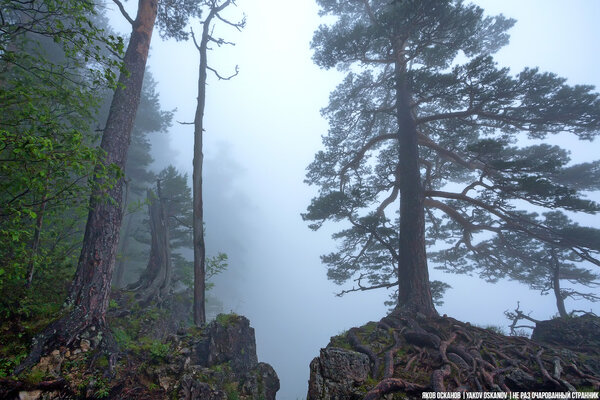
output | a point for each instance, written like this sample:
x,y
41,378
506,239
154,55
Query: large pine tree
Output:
x,y
426,127
90,290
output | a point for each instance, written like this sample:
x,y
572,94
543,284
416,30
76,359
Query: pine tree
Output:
x,y
425,110
89,292
543,266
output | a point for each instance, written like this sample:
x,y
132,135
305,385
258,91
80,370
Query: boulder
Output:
x,y
337,374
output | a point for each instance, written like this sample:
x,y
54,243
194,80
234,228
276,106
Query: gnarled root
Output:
x,y
391,385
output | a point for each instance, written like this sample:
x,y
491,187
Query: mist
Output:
x,y
263,128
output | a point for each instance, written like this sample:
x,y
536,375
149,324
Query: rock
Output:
x,y
215,362
31,395
270,380
51,364
261,383
577,333
193,389
410,350
229,339
337,374
85,345
518,380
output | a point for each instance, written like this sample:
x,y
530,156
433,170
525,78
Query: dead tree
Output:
x,y
198,219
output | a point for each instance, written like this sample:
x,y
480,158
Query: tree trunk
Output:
x,y
120,266
36,242
414,292
155,282
198,207
90,290
560,300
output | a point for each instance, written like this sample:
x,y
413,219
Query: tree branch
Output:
x,y
124,12
360,154
224,78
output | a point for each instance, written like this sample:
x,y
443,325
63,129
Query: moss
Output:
x,y
369,328
231,390
227,319
223,368
35,376
340,341
102,361
122,338
195,332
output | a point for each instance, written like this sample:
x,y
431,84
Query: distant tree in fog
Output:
x,y
541,265
427,138
214,8
150,119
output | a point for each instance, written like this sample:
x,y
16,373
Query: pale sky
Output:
x,y
262,130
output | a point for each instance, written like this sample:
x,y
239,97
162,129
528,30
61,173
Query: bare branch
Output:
x,y
236,25
124,12
224,78
194,39
362,288
220,41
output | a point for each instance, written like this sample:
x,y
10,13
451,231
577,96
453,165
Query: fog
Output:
x,y
263,128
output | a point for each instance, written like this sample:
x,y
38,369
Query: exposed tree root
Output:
x,y
361,348
391,385
69,332
442,354
10,388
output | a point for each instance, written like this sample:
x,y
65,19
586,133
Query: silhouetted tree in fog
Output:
x,y
541,265
424,105
214,8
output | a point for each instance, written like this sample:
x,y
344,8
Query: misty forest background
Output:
x,y
262,130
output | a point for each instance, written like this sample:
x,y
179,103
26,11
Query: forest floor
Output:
x,y
159,356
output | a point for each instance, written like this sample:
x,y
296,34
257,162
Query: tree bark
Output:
x,y
560,300
90,290
198,206
91,287
120,266
155,282
414,292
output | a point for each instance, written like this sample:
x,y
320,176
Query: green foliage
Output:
x,y
227,319
495,328
53,67
34,376
122,338
231,390
158,350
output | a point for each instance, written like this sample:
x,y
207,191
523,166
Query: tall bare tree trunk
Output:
x,y
90,290
198,211
198,206
414,292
